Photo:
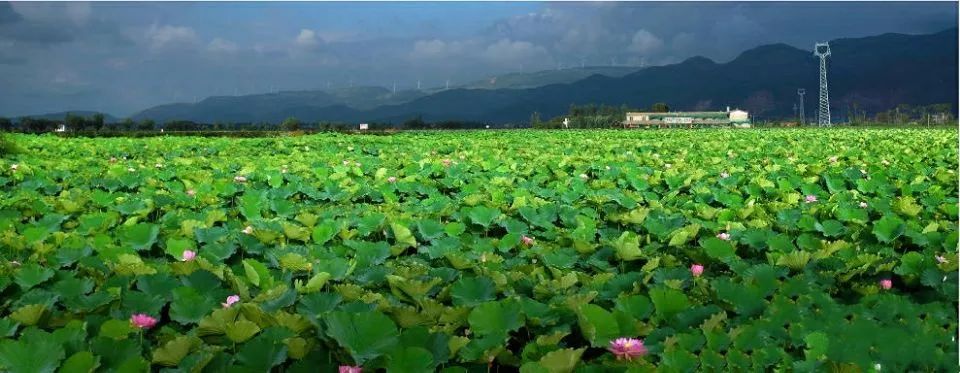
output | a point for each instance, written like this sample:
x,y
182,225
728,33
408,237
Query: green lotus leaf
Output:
x,y
365,335
888,228
140,236
471,291
597,325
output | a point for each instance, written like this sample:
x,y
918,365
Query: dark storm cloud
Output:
x,y
122,57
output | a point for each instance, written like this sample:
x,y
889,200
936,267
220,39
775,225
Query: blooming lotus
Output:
x,y
391,179
142,321
627,348
191,192
230,301
526,240
724,175
158,165
446,162
863,205
130,169
862,171
584,176
885,162
113,159
608,168
833,159
14,166
724,236
810,198
667,165
941,259
886,284
248,230
240,179
346,163
189,255
696,270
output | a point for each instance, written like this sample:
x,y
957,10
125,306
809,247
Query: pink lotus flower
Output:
x,y
230,301
240,179
696,270
627,348
863,205
724,175
350,369
941,259
391,179
248,230
446,162
191,192
886,284
810,198
142,321
724,236
189,255
527,240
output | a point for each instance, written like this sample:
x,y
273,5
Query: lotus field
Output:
x,y
790,250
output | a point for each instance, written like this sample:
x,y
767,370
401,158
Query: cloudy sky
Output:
x,y
123,57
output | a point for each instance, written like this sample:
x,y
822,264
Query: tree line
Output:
x,y
593,116
97,123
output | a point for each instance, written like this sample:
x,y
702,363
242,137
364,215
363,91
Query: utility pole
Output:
x,y
801,92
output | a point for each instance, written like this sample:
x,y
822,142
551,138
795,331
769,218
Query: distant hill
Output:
x,y
872,73
547,77
341,101
63,114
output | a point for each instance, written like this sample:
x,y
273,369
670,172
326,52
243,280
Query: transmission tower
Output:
x,y
822,50
801,92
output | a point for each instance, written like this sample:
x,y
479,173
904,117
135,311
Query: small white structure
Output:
x,y
566,122
364,126
739,116
62,128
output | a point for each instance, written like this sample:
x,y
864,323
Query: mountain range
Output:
x,y
870,74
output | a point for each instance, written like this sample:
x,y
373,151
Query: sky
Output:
x,y
122,57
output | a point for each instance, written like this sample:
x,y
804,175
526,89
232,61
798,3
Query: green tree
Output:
x,y
146,125
6,124
660,107
127,124
75,122
290,124
97,122
535,119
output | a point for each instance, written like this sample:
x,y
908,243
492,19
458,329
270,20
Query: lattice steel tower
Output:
x,y
822,50
801,92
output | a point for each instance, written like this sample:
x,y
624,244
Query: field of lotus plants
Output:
x,y
789,250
